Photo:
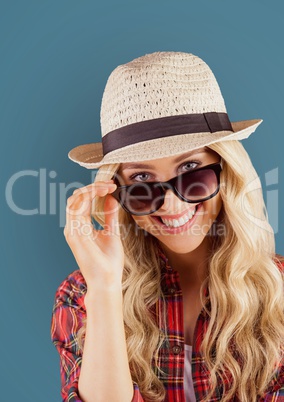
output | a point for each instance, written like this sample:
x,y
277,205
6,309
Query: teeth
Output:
x,y
179,222
176,223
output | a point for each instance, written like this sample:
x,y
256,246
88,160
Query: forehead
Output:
x,y
200,152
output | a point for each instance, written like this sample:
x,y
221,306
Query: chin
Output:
x,y
181,246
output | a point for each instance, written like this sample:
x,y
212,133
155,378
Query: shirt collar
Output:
x,y
164,259
169,269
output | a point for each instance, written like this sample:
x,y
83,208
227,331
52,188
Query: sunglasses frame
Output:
x,y
216,167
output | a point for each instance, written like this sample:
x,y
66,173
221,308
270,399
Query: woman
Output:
x,y
180,296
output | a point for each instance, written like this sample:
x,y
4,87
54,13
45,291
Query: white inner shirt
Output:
x,y
187,380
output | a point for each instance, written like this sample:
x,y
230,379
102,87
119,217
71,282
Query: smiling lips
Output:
x,y
176,220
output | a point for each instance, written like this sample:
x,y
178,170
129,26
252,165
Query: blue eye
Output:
x,y
190,165
141,176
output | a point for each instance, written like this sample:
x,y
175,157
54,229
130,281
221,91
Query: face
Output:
x,y
179,225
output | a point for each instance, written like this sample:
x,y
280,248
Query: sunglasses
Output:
x,y
193,187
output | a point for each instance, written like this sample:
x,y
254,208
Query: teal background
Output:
x,y
55,60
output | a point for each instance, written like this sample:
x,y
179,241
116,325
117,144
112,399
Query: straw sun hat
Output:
x,y
157,105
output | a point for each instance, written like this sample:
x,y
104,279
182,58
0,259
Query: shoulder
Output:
x,y
279,261
72,290
276,386
68,312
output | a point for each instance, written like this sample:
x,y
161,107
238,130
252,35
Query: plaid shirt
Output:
x,y
69,310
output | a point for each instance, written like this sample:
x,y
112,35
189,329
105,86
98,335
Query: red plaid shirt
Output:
x,y
69,310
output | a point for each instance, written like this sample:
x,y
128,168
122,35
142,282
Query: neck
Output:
x,y
191,266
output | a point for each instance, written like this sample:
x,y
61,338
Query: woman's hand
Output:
x,y
99,253
100,256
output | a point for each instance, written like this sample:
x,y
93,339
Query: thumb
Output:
x,y
111,209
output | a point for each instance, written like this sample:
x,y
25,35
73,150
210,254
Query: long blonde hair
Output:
x,y
244,282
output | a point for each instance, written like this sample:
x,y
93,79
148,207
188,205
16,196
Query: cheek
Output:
x,y
213,206
145,223
141,221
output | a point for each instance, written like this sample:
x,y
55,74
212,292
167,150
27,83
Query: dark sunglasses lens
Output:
x,y
141,198
197,185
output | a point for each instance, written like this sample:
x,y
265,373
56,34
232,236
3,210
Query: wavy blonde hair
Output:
x,y
244,340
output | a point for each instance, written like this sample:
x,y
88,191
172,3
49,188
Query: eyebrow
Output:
x,y
135,165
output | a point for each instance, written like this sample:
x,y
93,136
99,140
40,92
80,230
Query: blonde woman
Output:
x,y
179,296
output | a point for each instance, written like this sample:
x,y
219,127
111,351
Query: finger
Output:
x,y
98,184
78,221
111,211
76,201
78,209
99,189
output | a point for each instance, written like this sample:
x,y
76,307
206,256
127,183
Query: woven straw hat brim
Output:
x,y
91,156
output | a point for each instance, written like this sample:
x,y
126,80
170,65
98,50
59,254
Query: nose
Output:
x,y
172,204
